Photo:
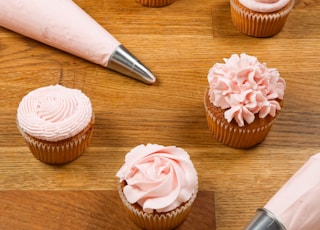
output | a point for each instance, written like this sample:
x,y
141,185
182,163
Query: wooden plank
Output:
x,y
85,209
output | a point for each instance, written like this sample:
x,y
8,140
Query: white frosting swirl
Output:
x,y
264,6
54,113
157,177
245,87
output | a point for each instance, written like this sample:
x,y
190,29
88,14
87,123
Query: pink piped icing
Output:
x,y
54,113
61,24
296,204
158,178
264,6
245,87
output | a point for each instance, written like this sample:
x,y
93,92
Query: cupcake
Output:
x,y
155,3
158,186
260,18
56,123
242,101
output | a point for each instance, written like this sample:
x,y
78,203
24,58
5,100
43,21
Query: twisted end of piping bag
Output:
x,y
124,62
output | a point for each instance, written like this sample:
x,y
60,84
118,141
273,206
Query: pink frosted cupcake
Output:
x,y
158,186
155,3
260,18
56,122
242,101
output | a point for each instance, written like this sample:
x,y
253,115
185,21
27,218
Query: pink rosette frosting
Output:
x,y
264,6
54,113
158,178
245,87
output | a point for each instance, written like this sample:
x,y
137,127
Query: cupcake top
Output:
x,y
245,87
54,113
157,177
264,6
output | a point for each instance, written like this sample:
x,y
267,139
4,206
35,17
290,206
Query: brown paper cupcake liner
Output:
x,y
60,152
232,135
258,24
155,3
157,221
236,137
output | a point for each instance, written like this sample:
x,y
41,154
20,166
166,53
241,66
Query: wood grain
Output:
x,y
179,43
91,209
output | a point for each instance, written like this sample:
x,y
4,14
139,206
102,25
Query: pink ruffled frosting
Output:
x,y
245,87
264,6
54,113
158,178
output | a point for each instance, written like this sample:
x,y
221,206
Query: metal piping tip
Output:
x,y
265,220
126,63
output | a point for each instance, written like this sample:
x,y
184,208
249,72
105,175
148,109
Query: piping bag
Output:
x,y
296,206
64,25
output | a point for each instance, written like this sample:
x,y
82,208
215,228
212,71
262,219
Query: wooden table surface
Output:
x,y
179,43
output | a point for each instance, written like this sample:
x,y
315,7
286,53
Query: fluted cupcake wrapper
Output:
x,y
235,136
155,3
258,24
157,221
60,152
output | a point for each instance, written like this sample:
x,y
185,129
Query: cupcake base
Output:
x,y
258,24
156,221
155,3
231,134
60,152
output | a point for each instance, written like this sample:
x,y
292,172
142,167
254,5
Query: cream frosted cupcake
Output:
x,y
155,3
158,186
242,101
56,122
260,18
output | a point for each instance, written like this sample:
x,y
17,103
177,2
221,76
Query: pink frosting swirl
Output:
x,y
158,178
243,86
54,113
265,6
